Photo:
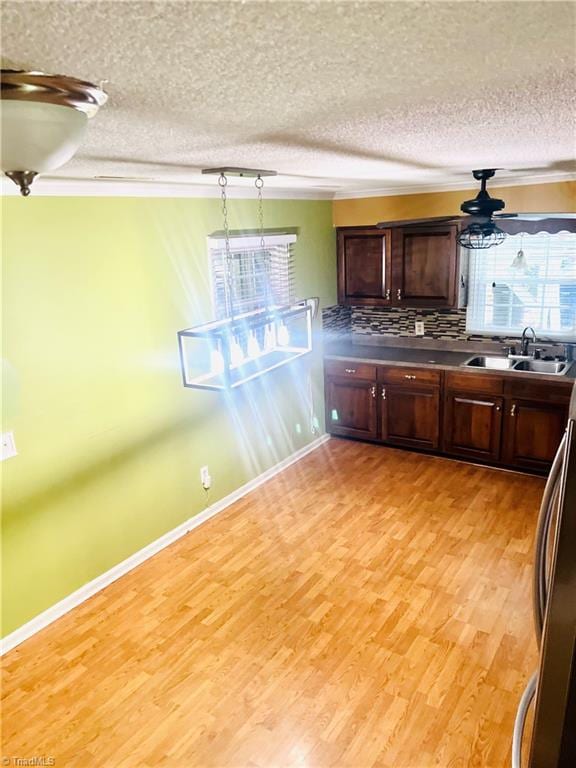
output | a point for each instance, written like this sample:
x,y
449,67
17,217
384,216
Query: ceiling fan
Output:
x,y
480,228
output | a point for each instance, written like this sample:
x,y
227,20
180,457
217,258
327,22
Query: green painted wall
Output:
x,y
110,443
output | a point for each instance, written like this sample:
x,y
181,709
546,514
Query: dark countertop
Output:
x,y
427,358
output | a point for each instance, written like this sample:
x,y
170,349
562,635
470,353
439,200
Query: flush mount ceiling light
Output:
x,y
226,353
44,118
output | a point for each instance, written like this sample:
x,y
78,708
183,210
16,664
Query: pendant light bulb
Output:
x,y
216,362
269,337
236,353
253,346
283,336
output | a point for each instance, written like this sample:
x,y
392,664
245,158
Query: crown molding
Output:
x,y
62,186
542,178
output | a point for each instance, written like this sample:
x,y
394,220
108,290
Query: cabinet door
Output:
x,y
364,267
533,432
472,425
424,266
410,416
351,407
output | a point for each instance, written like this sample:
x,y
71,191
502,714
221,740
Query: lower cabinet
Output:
x,y
473,425
351,407
489,418
410,416
533,431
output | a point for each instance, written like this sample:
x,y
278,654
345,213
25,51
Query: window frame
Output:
x,y
250,242
474,308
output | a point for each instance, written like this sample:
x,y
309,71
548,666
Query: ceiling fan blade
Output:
x,y
416,222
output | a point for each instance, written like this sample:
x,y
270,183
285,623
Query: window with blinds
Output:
x,y
528,280
258,277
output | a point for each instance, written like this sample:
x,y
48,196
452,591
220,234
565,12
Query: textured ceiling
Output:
x,y
347,97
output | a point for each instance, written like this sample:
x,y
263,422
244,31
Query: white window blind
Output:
x,y
508,292
259,277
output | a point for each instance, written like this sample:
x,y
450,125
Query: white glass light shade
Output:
x,y
37,136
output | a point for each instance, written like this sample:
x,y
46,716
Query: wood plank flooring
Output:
x,y
368,607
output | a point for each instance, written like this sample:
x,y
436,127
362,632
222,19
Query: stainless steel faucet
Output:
x,y
525,341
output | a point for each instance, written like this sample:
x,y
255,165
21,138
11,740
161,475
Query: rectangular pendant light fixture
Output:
x,y
224,354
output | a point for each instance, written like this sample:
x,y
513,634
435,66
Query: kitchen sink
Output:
x,y
554,367
542,366
494,363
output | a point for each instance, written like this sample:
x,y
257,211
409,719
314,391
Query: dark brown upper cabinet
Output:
x,y
424,266
364,267
402,266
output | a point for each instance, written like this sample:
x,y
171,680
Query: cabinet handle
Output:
x,y
373,391
399,293
383,393
350,370
387,294
513,410
409,376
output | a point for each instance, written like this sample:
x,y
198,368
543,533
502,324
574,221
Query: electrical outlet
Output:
x,y
419,328
205,478
8,446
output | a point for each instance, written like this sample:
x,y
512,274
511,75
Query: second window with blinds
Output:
x,y
253,277
529,280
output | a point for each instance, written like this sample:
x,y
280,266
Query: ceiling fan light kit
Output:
x,y
43,121
479,236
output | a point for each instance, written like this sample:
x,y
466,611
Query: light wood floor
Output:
x,y
368,607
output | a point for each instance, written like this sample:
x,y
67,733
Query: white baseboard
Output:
x,y
92,587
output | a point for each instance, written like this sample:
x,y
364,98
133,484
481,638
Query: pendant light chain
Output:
x,y
259,184
223,182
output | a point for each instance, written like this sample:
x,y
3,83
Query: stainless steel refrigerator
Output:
x,y
553,740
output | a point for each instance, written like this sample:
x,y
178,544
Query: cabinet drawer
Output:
x,y
474,382
350,369
544,391
406,375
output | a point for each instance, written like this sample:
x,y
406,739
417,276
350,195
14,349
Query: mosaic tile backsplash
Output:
x,y
395,321
336,319
447,324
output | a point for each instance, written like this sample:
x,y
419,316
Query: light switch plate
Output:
x,y
8,446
